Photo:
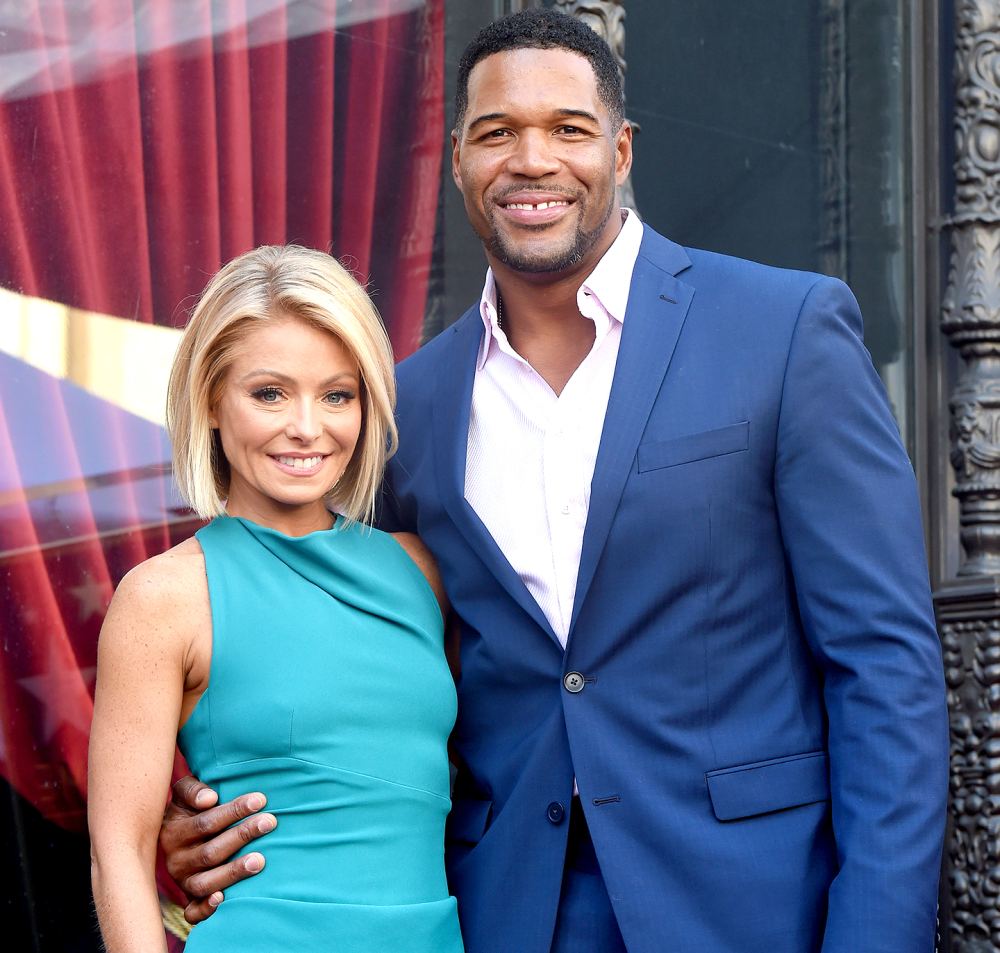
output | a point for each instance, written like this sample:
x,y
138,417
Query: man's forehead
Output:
x,y
531,74
512,64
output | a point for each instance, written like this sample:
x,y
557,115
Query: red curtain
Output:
x,y
142,144
132,165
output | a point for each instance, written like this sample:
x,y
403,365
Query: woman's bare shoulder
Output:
x,y
172,581
422,556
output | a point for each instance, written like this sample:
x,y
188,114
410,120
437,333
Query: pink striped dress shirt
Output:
x,y
531,454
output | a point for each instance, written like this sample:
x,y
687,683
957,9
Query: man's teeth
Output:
x,y
541,205
300,463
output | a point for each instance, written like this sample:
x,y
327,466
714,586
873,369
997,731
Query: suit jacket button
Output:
x,y
555,812
573,682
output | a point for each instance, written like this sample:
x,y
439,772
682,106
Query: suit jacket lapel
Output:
x,y
658,304
451,434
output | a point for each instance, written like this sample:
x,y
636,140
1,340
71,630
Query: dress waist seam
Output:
x,y
334,767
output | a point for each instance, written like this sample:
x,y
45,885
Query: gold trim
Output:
x,y
122,361
173,919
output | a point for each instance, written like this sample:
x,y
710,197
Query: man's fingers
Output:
x,y
190,793
196,845
199,910
218,878
182,829
216,819
205,856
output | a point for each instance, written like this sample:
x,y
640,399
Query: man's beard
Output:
x,y
559,259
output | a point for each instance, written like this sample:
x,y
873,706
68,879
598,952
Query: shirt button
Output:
x,y
573,682
555,812
565,509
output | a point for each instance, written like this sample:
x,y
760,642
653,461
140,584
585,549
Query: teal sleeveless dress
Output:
x,y
329,692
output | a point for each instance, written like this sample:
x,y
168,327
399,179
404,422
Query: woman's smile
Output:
x,y
300,466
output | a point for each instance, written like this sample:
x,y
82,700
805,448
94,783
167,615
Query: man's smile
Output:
x,y
529,207
536,207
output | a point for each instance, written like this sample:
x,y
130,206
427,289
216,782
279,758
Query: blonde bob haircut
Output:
x,y
272,283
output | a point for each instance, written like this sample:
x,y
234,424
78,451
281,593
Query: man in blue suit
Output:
x,y
701,704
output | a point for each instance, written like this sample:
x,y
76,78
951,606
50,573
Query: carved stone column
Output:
x,y
969,619
969,606
833,138
972,300
607,19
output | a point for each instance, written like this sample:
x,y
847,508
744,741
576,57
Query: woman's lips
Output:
x,y
300,466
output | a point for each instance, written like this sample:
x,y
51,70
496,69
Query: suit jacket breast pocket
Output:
x,y
657,454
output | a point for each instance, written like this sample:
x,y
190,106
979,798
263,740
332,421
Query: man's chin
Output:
x,y
536,262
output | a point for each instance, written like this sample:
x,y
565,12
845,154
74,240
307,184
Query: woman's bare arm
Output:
x,y
421,555
149,650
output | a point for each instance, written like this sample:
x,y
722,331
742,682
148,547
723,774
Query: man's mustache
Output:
x,y
522,189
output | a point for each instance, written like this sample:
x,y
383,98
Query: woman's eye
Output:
x,y
267,395
337,397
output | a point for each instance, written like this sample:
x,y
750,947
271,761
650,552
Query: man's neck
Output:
x,y
544,325
541,316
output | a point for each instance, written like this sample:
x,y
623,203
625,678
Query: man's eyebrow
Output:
x,y
578,113
487,117
565,112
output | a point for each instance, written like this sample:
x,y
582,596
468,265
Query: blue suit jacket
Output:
x,y
761,740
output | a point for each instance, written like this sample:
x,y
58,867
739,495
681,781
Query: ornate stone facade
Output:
x,y
972,300
969,607
970,634
833,138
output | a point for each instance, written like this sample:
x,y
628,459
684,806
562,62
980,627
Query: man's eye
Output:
x,y
267,395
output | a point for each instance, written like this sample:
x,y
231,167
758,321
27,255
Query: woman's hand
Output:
x,y
198,839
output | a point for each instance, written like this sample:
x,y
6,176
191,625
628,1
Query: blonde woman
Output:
x,y
288,646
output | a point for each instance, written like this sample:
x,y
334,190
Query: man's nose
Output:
x,y
533,155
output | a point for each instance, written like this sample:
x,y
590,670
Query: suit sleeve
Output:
x,y
852,532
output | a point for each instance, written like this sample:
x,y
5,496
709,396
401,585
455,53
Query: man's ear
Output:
x,y
623,152
456,150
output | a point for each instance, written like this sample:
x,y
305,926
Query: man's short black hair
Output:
x,y
543,29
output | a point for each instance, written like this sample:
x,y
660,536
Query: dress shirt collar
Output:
x,y
608,285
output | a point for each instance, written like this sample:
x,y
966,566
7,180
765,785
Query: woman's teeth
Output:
x,y
300,463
